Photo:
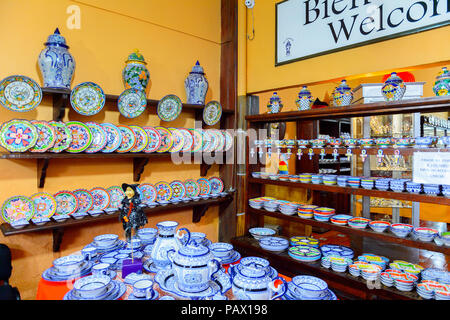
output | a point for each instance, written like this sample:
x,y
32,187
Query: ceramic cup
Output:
x,y
101,269
89,253
143,289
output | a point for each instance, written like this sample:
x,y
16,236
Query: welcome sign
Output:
x,y
308,28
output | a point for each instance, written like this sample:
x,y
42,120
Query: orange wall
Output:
x,y
171,42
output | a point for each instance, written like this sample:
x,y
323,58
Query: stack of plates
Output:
x,y
370,271
294,178
335,250
342,181
288,209
306,211
256,203
271,205
339,264
305,177
413,187
355,268
386,279
323,214
368,183
304,253
403,281
340,219
432,189
383,184
68,268
96,287
426,290
329,179
398,185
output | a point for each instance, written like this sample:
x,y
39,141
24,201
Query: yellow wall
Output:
x,y
171,42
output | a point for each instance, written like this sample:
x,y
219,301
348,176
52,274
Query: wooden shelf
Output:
x,y
372,151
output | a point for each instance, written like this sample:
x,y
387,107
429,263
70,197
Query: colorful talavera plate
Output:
x,y
154,139
46,136
205,186
212,113
198,139
18,135
20,93
148,191
99,137
85,200
66,203
208,141
220,139
216,185
87,98
17,208
128,139
178,140
192,188
188,140
163,191
228,140
63,136
81,136
101,198
141,139
169,107
44,205
178,188
132,103
166,139
116,196
114,137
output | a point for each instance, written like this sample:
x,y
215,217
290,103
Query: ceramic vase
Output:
x,y
274,104
56,63
394,88
304,100
135,74
342,95
196,85
442,84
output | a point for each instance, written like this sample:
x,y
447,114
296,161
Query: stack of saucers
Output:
x,y
354,182
342,181
318,179
306,211
330,179
398,185
305,177
340,219
68,268
288,209
379,226
271,205
323,214
96,287
368,183
259,233
401,230
432,189
383,184
413,187
358,222
340,264
425,234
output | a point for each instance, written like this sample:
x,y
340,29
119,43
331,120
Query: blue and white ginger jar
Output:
x,y
304,100
274,104
342,95
196,85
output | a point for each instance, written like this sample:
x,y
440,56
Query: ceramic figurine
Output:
x,y
394,88
135,74
342,95
304,100
131,215
56,63
196,85
442,84
274,104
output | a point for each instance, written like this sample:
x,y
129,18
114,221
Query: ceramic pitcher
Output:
x,y
196,85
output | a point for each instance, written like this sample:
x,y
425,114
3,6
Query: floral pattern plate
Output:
x,y
212,113
141,139
85,200
101,198
114,137
148,192
178,188
17,208
132,103
81,136
66,203
63,136
44,205
228,140
220,139
166,139
20,93
163,191
46,136
178,140
208,141
198,140
169,107
116,196
128,139
188,140
18,135
192,188
216,185
154,140
87,98
205,186
99,137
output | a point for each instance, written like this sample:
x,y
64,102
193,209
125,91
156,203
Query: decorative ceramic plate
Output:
x,y
63,136
335,250
141,139
17,208
205,186
188,140
304,241
166,139
163,191
116,196
169,107
192,188
18,135
87,98
81,136
101,198
132,103
216,185
128,139
198,139
66,203
304,253
20,93
148,191
212,113
228,140
99,137
44,205
85,200
208,141
178,188
220,139
154,139
46,136
114,137
178,140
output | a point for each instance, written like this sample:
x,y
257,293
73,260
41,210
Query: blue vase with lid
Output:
x,y
342,95
56,63
196,85
394,88
274,104
305,99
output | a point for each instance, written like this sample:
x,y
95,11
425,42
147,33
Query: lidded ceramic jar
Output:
x,y
274,104
304,100
442,84
135,74
342,95
394,88
196,85
56,63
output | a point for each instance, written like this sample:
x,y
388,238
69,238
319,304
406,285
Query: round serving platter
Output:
x,y
169,107
99,137
63,136
192,188
163,191
116,196
148,191
216,185
18,135
46,136
132,103
17,208
212,113
178,188
128,139
197,136
81,136
85,200
44,205
204,185
66,203
141,139
101,198
20,93
87,98
113,136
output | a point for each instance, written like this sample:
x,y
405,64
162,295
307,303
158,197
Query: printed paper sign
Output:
x,y
431,167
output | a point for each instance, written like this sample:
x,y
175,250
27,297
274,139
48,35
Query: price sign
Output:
x,y
431,167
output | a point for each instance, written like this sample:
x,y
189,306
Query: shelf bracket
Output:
x,y
42,165
198,212
138,167
204,168
59,105
58,234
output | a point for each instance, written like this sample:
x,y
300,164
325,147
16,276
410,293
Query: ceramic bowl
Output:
x,y
432,189
424,142
335,143
275,244
256,204
69,264
398,185
366,142
401,230
294,178
92,286
283,177
413,187
358,222
318,179
340,219
354,182
379,226
383,184
264,175
259,233
425,234
309,287
147,234
368,183
342,181
221,249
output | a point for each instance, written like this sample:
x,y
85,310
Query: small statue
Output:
x,y
131,215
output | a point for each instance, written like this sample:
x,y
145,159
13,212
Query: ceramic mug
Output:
x,y
101,269
89,253
143,289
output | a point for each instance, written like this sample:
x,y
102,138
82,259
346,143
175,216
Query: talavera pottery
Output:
x,y
169,107
87,98
205,186
99,137
132,103
18,135
212,113
66,203
101,198
178,189
342,95
56,63
141,139
63,136
178,140
81,136
304,100
135,74
274,104
154,140
18,209
128,139
148,192
44,205
192,188
394,88
163,191
188,139
197,136
442,85
116,196
216,185
85,200
166,139
20,93
46,136
196,85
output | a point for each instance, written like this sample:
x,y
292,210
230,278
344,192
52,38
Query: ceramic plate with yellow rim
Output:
x,y
20,93
44,205
87,98
154,139
128,139
198,140
163,191
178,140
141,139
166,139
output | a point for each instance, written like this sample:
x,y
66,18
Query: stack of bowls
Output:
x,y
432,189
147,235
283,177
309,288
443,294
339,264
271,205
426,289
325,261
354,182
401,230
342,181
318,179
383,184
386,279
406,267
424,142
413,187
94,287
370,271
294,178
256,175
404,281
340,219
368,183
336,250
383,142
256,203
288,209
259,233
354,270
358,222
398,185
330,179
425,234
379,226
374,259
305,177
446,190
323,214
306,211
350,142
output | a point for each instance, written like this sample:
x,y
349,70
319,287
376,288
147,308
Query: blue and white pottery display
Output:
x,y
309,287
221,249
275,244
442,85
274,104
424,142
92,286
304,100
394,88
143,289
342,95
105,240
432,189
56,63
196,85
413,187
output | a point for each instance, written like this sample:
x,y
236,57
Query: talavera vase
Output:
x,y
274,104
394,88
56,63
135,74
304,100
196,85
442,84
342,95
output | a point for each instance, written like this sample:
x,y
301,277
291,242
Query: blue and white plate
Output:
x,y
235,256
335,250
116,292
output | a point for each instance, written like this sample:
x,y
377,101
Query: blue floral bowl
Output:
x,y
413,187
401,230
